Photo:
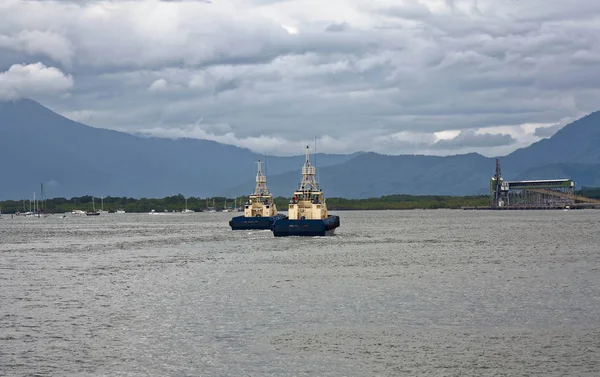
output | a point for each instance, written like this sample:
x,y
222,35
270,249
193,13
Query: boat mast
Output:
x,y
43,199
261,182
309,182
317,177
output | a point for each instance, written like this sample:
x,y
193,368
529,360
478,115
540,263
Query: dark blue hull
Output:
x,y
249,223
308,228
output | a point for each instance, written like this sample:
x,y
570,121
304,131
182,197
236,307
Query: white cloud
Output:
x,y
32,79
158,85
393,76
470,138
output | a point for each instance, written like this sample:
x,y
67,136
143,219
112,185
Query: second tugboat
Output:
x,y
307,214
260,211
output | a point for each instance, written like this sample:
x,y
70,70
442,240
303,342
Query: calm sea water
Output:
x,y
438,293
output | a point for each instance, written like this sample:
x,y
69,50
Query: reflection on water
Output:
x,y
393,293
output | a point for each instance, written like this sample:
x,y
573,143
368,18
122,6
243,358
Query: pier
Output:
x,y
546,194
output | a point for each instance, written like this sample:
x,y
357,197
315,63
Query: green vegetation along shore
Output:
x,y
177,203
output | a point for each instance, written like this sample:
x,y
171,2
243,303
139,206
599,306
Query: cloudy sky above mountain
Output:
x,y
390,76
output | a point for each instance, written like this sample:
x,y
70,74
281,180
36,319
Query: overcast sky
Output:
x,y
391,76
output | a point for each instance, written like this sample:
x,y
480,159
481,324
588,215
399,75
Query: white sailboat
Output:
x,y
32,208
186,210
210,209
225,209
77,211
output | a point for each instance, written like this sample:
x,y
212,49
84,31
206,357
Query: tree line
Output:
x,y
178,203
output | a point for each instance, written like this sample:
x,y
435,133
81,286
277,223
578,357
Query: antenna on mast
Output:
x,y
316,159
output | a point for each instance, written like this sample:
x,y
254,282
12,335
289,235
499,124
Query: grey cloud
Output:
x,y
409,11
225,85
468,139
336,27
458,65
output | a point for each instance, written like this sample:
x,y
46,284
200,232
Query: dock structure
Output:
x,y
534,194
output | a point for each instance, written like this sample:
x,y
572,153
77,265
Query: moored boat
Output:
x,y
93,212
307,213
260,210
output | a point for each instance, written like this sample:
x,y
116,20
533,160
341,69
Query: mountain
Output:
x,y
72,159
578,142
573,152
372,175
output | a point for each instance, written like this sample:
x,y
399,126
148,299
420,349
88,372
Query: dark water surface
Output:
x,y
439,293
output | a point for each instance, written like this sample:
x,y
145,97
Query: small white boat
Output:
x,y
210,209
186,210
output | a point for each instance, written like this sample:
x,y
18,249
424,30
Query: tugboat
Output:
x,y
260,210
307,214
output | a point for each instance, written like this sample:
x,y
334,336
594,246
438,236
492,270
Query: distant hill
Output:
x,y
373,175
38,145
573,152
72,159
578,142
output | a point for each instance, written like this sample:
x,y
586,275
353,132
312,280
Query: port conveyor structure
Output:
x,y
535,194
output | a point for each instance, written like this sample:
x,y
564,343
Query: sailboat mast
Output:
x,y
43,194
317,177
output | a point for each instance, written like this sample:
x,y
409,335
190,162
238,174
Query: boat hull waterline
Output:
x,y
254,223
307,228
